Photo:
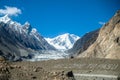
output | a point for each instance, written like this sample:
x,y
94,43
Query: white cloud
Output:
x,y
12,11
101,23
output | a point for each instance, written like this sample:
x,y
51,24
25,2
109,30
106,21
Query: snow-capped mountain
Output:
x,y
64,41
25,31
16,39
19,41
5,19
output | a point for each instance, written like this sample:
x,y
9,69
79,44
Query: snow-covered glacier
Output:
x,y
49,54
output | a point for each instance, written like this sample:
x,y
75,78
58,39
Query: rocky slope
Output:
x,y
84,42
17,41
107,44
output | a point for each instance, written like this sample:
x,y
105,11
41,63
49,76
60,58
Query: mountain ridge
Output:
x,y
19,40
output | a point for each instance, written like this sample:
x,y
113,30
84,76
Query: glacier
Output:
x,y
49,54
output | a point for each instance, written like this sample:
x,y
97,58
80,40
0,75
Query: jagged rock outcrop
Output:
x,y
107,44
84,42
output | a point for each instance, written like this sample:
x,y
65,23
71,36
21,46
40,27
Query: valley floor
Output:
x,y
82,69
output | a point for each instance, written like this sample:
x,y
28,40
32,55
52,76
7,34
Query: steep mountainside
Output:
x,y
17,40
107,44
84,42
64,41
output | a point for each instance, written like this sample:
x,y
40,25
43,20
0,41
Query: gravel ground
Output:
x,y
62,69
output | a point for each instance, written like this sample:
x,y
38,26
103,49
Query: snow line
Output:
x,y
97,75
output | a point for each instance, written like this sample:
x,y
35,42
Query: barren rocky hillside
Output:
x,y
84,42
107,44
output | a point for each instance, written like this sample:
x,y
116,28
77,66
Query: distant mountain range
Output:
x,y
64,41
19,42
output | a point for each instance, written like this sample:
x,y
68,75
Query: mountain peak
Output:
x,y
64,41
27,23
5,18
64,35
34,31
67,35
27,27
117,13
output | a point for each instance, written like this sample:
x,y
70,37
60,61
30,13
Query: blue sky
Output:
x,y
54,17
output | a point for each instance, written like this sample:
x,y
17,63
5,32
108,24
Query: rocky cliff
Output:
x,y
84,42
107,44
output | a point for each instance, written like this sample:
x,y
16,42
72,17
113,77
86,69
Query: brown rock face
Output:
x,y
107,44
83,43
